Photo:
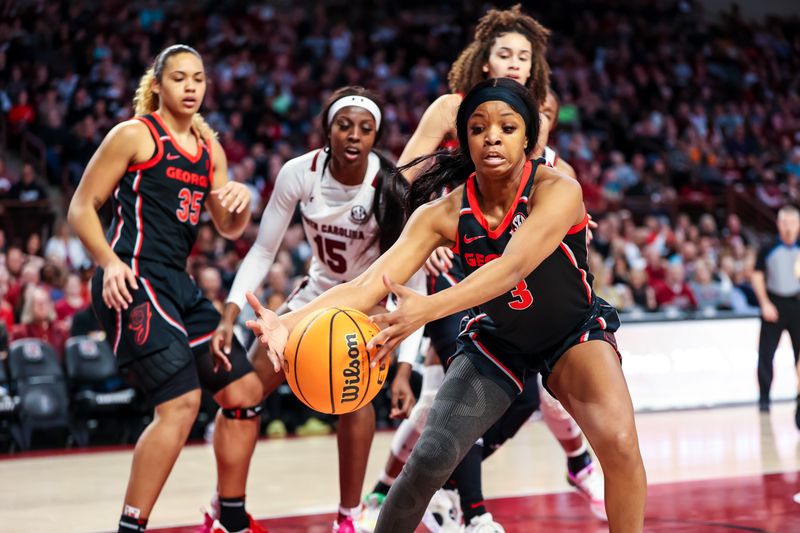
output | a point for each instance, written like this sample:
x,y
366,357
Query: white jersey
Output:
x,y
337,219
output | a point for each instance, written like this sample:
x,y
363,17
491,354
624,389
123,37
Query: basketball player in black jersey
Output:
x,y
162,168
520,228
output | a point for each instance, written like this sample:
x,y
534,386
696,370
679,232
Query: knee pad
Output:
x,y
243,413
410,429
558,420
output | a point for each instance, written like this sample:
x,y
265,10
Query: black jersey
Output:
x,y
157,204
545,306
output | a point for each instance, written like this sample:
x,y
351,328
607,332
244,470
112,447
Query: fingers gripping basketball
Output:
x,y
327,364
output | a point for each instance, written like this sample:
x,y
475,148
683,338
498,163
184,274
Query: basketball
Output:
x,y
327,364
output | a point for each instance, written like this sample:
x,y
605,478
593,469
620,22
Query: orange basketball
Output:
x,y
327,361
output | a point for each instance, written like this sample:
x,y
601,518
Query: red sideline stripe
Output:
x,y
120,221
200,340
472,321
602,322
450,279
119,331
152,294
568,252
139,225
585,337
496,361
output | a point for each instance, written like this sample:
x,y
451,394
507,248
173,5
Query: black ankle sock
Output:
x,y
128,524
468,479
576,464
381,488
232,514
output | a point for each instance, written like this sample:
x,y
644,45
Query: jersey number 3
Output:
x,y
328,252
523,297
190,205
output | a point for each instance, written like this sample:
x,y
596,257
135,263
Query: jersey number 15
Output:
x,y
328,251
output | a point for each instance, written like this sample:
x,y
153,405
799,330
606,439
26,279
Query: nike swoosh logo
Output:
x,y
468,240
171,157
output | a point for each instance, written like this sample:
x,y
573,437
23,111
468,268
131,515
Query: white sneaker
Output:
x,y
371,508
589,483
443,514
484,524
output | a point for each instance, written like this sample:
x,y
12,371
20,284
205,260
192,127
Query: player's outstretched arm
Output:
x,y
430,226
557,205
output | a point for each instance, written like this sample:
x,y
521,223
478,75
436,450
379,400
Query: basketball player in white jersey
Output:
x,y
351,207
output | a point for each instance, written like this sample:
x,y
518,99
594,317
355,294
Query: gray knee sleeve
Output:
x,y
467,404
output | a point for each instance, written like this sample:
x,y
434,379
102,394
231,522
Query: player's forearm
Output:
x,y
233,225
759,287
86,223
351,294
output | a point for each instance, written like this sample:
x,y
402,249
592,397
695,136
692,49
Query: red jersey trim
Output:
x,y
211,173
578,227
476,208
314,161
192,158
153,161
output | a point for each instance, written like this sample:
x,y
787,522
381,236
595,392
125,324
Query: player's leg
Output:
x,y
239,394
588,381
177,400
768,340
793,325
150,343
354,435
581,471
467,404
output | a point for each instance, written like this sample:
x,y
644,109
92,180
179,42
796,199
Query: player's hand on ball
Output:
x,y
270,331
410,315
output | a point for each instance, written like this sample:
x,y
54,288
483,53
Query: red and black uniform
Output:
x,y
552,309
161,340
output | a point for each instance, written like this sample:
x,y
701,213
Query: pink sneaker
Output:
x,y
345,526
208,521
589,484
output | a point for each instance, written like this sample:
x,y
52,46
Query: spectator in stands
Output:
x,y
642,294
6,309
210,282
6,179
38,320
73,299
33,245
21,115
64,248
707,291
673,292
27,189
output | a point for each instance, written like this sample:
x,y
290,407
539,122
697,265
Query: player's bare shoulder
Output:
x,y
131,136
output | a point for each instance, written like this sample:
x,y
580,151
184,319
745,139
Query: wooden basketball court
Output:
x,y
724,469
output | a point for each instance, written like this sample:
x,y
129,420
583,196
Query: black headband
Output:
x,y
490,94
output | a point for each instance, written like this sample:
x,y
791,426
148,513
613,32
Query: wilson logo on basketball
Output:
x,y
352,373
140,323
